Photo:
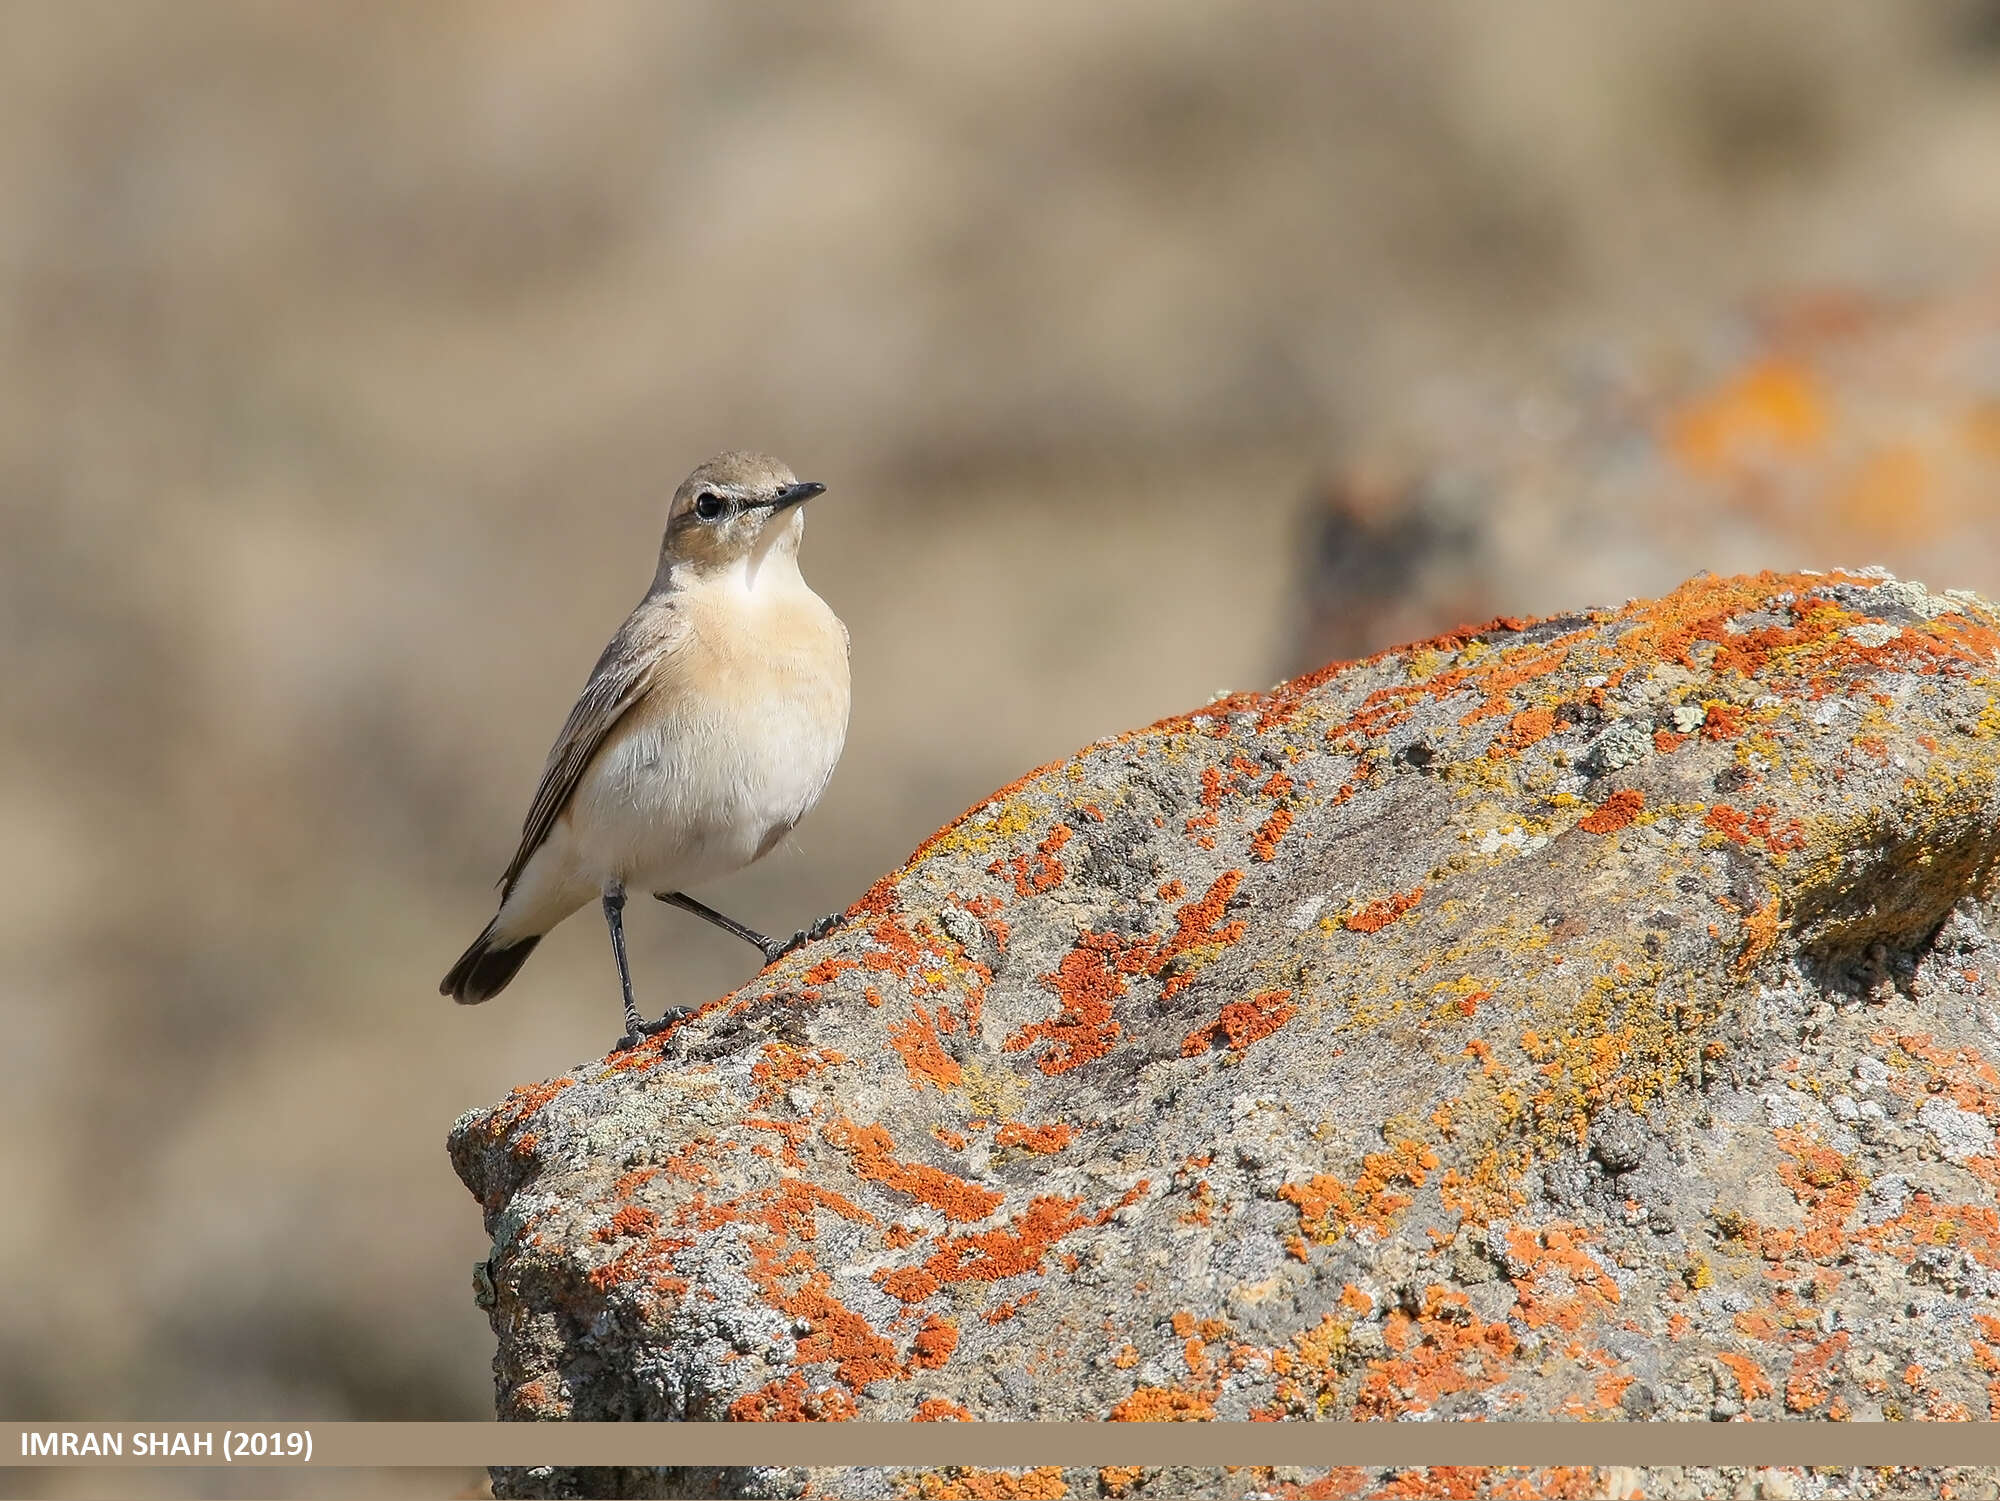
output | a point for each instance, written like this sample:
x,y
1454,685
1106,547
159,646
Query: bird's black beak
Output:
x,y
796,495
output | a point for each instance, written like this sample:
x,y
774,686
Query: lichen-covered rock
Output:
x,y
1591,1017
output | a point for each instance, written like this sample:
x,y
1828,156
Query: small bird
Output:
x,y
708,729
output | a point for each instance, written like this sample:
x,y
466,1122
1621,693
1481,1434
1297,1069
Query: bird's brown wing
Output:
x,y
631,664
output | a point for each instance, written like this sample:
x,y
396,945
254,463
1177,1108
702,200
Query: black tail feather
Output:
x,y
483,970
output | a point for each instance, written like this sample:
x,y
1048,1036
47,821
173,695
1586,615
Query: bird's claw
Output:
x,y
776,949
638,1031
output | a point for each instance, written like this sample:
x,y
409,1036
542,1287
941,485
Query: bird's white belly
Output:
x,y
689,797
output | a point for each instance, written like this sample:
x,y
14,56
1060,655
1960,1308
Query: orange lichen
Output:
x,y
959,1483
951,1196
1666,742
1962,1075
1378,914
1760,931
1559,1284
788,1210
686,1164
1616,812
940,1410
522,1103
1039,871
792,1133
1088,982
792,1283
898,951
627,1184
632,1220
1198,925
1723,722
1514,669
1523,730
789,1401
1328,1207
1938,1408
843,1337
828,970
531,1401
1012,1249
1806,1385
1042,1140
1242,1023
1727,822
1159,1404
1442,1348
1000,1313
1264,843
782,1066
1751,1382
924,1057
934,1343
907,1284
1091,978
1739,827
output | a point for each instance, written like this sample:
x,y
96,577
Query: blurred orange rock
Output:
x,y
1827,429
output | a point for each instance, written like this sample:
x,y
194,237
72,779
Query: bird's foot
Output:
x,y
637,1031
776,949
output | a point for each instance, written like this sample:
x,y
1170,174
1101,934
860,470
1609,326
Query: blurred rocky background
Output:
x,y
348,355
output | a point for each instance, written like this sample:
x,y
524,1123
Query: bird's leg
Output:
x,y
614,919
771,948
635,1029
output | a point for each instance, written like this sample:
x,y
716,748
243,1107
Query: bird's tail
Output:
x,y
483,970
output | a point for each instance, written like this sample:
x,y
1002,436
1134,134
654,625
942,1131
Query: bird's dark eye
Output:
x,y
709,506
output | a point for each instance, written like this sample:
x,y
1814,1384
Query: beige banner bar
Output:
x,y
996,1445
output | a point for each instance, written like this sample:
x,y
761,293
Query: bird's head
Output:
x,y
735,513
